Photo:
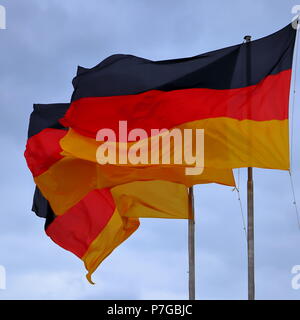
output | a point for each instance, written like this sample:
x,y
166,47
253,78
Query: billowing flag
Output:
x,y
84,214
239,96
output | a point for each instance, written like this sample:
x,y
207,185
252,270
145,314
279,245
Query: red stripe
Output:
x,y
80,225
159,109
43,150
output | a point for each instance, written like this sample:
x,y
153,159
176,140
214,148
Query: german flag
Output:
x,y
239,96
88,216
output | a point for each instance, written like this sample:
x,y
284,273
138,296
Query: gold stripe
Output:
x,y
152,199
228,143
116,231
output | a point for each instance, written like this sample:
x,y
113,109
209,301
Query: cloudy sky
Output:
x,y
40,50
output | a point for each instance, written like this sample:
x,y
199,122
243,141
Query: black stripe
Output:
x,y
45,116
221,69
42,208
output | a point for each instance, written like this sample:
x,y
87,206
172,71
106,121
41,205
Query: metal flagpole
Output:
x,y
191,245
250,203
250,236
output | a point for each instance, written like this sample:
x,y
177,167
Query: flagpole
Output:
x,y
250,203
250,236
191,245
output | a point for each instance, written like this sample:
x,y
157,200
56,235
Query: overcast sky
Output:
x,y
40,50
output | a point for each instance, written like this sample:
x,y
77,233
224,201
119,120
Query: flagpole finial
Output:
x,y
247,38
